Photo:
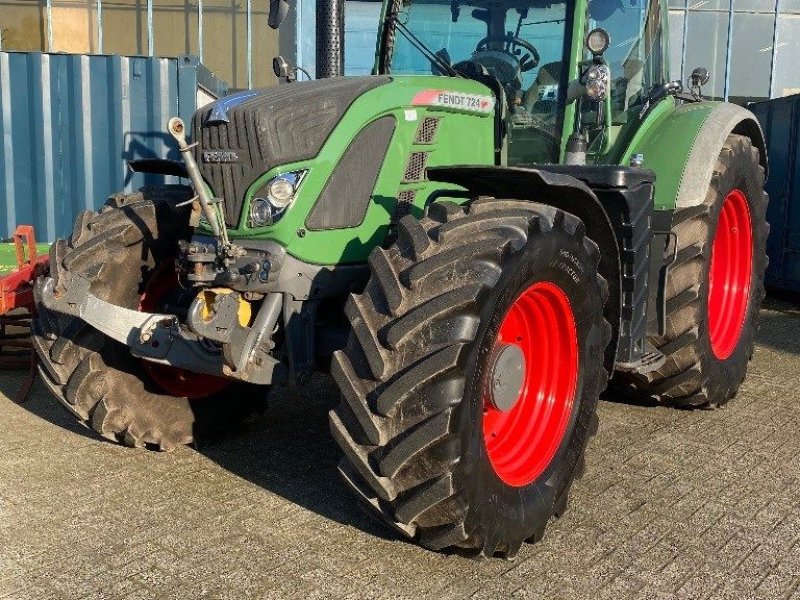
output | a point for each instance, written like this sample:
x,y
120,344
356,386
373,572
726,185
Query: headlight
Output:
x,y
260,212
596,89
281,192
274,198
597,82
598,41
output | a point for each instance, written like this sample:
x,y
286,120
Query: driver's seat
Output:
x,y
549,76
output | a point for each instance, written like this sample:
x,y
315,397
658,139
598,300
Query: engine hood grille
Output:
x,y
243,136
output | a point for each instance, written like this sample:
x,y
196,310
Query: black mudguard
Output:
x,y
611,221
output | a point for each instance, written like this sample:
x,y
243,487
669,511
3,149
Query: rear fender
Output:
x,y
563,192
724,120
681,145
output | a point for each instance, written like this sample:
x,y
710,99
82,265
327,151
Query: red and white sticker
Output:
x,y
455,101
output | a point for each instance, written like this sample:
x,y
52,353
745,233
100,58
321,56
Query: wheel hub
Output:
x,y
508,377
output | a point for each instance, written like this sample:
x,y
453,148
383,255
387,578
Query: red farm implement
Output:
x,y
17,306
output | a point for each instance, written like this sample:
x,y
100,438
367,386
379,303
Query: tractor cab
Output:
x,y
534,55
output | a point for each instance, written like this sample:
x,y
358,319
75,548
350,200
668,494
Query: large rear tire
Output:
x,y
471,379
119,250
714,289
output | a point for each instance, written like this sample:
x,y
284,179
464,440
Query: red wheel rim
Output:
x,y
174,381
730,275
521,442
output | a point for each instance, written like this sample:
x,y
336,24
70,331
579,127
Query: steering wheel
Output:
x,y
527,60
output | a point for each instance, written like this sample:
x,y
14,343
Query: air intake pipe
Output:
x,y
330,38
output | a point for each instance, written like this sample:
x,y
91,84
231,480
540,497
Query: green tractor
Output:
x,y
516,208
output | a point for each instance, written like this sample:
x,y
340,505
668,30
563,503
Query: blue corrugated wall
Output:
x,y
70,123
780,119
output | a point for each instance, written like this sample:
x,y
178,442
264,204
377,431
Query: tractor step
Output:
x,y
651,360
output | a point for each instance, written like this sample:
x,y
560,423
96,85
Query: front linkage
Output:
x,y
161,339
232,276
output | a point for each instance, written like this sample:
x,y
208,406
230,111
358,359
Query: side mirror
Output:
x,y
278,9
281,67
700,76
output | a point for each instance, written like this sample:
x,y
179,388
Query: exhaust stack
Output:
x,y
330,38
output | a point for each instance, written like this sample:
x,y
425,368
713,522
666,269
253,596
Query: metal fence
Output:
x,y
780,119
70,123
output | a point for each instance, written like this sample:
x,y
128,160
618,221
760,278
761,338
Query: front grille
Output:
x,y
263,129
426,134
405,200
415,170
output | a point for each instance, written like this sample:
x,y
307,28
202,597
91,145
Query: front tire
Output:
x,y
433,440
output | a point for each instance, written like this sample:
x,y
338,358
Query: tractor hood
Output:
x,y
357,149
244,135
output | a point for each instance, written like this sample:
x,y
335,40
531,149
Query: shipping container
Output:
x,y
70,123
780,119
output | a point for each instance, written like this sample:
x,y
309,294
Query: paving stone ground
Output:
x,y
675,504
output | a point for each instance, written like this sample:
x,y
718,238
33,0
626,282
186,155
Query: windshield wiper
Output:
x,y
434,58
542,22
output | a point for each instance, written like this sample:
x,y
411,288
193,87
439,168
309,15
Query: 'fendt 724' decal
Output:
x,y
455,100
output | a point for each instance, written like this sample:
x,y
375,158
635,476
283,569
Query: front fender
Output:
x,y
682,144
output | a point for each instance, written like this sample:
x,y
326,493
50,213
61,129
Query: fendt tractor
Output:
x,y
517,207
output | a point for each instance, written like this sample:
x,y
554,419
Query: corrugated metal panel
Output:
x,y
70,123
780,119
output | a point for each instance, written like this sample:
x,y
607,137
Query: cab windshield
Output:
x,y
521,44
